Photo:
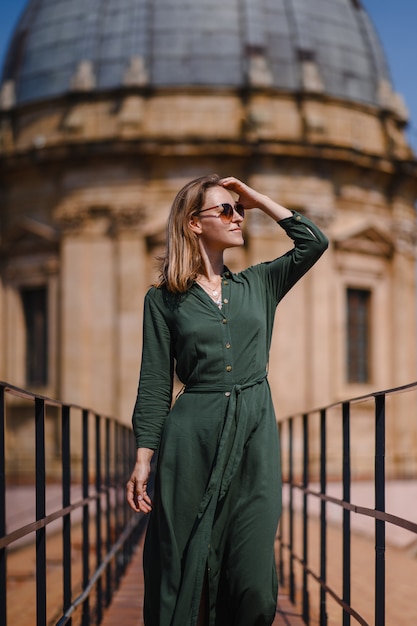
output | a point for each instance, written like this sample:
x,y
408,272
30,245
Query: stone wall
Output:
x,y
86,186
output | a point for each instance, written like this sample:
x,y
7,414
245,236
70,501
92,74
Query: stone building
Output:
x,y
108,108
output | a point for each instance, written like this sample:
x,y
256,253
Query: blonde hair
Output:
x,y
182,261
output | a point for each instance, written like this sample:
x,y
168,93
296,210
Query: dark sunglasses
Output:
x,y
226,215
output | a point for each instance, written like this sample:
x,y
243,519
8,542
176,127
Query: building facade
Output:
x,y
108,108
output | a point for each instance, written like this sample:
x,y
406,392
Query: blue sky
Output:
x,y
395,22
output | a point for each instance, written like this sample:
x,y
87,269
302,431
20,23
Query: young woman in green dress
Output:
x,y
209,548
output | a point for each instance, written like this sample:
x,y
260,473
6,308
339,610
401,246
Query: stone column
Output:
x,y
401,408
132,283
88,309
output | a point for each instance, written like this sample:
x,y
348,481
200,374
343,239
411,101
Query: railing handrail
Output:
x,y
361,510
29,395
355,400
112,447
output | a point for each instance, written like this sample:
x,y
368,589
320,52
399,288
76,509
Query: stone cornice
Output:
x,y
165,148
262,120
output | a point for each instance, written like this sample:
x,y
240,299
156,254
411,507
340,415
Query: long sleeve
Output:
x,y
309,244
154,396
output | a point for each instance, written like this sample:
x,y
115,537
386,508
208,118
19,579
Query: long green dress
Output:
x,y
217,497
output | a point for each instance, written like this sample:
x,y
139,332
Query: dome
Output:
x,y
328,46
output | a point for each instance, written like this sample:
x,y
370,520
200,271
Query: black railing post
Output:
x,y
108,511
280,536
323,521
99,595
380,506
117,457
66,501
40,512
86,514
3,553
291,508
127,468
306,611
125,461
346,512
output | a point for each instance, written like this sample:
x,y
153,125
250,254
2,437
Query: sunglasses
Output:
x,y
226,214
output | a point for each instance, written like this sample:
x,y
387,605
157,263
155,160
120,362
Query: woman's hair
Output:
x,y
182,261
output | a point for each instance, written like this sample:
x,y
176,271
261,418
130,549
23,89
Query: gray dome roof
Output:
x,y
60,45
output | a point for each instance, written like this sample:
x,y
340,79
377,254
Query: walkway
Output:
x,y
126,610
127,604
400,564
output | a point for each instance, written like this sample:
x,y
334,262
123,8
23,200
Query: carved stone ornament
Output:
x,y
405,237
100,220
7,95
321,217
365,238
84,78
136,74
311,78
259,72
127,218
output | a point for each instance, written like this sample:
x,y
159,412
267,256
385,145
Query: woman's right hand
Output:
x,y
136,487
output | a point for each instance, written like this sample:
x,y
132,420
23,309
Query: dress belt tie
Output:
x,y
230,448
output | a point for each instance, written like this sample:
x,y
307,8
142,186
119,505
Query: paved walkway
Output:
x,y
127,604
400,566
400,560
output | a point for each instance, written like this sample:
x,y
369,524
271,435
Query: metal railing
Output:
x,y
96,455
307,474
96,470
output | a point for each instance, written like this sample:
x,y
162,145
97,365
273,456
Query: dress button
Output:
x,y
228,345
298,217
229,368
226,301
224,321
227,394
225,282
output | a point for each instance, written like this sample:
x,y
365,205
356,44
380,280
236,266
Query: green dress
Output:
x,y
217,497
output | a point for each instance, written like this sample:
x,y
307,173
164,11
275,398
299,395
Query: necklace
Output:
x,y
215,294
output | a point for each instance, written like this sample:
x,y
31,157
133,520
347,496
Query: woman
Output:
x,y
209,549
